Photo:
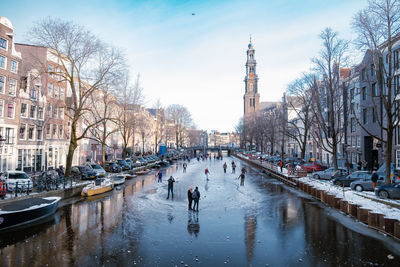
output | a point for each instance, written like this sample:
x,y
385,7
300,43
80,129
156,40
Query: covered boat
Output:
x,y
142,172
98,186
130,176
25,211
118,179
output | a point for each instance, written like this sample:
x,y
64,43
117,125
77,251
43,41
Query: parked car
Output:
x,y
124,165
365,184
97,168
329,173
111,166
388,191
83,172
347,180
312,167
11,178
130,163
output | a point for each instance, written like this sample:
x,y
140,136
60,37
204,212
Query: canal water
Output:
x,y
262,223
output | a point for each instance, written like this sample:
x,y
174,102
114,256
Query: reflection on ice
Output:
x,y
193,225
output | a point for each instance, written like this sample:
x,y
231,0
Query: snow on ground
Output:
x,y
353,197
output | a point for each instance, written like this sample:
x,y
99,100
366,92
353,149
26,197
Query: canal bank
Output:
x,y
64,193
387,223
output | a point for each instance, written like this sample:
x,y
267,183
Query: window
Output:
x,y
364,116
33,93
48,111
364,74
55,91
22,131
353,125
1,108
61,92
23,110
373,90
358,141
50,90
55,110
39,133
396,84
2,83
364,93
3,43
32,112
60,130
14,66
40,113
374,115
397,159
9,136
10,110
50,70
57,75
372,70
31,132
3,62
351,94
48,129
61,113
396,59
12,86
54,130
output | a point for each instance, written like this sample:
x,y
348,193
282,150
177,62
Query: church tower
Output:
x,y
251,97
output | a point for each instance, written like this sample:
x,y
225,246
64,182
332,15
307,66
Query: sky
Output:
x,y
193,53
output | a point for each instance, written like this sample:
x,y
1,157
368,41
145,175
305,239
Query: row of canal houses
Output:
x,y
34,128
362,114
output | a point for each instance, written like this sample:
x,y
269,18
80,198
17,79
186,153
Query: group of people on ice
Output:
x,y
194,195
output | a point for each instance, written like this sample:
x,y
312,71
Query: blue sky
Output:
x,y
198,61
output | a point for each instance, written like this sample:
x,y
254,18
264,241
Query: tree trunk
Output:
x,y
388,152
72,146
103,153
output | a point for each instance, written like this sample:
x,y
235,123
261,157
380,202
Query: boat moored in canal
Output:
x,y
25,211
98,186
142,172
118,179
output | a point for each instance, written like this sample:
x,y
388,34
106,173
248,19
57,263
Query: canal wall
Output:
x,y
369,218
64,193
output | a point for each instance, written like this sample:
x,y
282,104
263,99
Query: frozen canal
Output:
x,y
261,223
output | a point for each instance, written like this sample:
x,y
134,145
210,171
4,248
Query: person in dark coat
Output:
x,y
225,166
159,174
196,198
374,178
190,198
171,182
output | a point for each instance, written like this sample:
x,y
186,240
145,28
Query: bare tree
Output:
x,y
378,28
182,119
299,127
159,127
239,128
88,65
143,127
105,111
130,99
328,96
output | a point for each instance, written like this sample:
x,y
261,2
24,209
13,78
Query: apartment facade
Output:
x,y
10,77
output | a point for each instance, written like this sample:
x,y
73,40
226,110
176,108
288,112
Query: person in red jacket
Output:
x,y
281,164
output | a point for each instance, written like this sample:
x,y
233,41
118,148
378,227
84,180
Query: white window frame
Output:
x,y
5,49
397,159
26,111
33,132
19,130
50,93
38,117
12,93
2,108
61,113
3,91
11,66
5,62
34,112
13,115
